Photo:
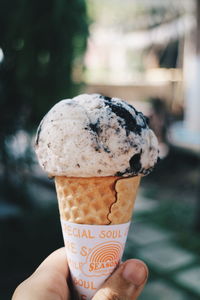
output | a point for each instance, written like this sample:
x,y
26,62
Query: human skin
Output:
x,y
49,281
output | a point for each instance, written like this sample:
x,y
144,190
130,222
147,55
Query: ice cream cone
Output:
x,y
96,200
86,143
94,251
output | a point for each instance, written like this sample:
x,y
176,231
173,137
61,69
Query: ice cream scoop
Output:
x,y
94,136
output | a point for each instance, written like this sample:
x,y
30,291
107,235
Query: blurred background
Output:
x,y
144,51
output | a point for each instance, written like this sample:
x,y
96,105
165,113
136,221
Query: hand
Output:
x,y
48,282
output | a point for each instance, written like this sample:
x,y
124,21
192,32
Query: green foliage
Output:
x,y
39,40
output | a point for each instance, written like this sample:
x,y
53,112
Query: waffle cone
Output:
x,y
96,200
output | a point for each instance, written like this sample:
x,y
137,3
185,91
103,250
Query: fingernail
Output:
x,y
135,272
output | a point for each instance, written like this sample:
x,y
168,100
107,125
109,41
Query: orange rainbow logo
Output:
x,y
102,259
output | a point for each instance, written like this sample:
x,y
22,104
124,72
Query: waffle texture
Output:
x,y
96,200
126,192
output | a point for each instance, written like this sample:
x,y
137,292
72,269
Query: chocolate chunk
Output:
x,y
129,120
134,162
106,98
38,133
94,127
106,149
119,174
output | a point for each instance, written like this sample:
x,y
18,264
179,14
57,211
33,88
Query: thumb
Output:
x,y
126,283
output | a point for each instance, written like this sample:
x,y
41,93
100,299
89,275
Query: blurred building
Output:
x,y
145,49
137,42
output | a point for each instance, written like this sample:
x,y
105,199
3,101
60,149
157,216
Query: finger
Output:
x,y
126,283
56,261
48,281
136,272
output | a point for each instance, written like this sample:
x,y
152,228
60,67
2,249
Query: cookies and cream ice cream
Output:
x,y
94,136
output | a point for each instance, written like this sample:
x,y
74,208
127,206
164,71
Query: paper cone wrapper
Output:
x,y
95,217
